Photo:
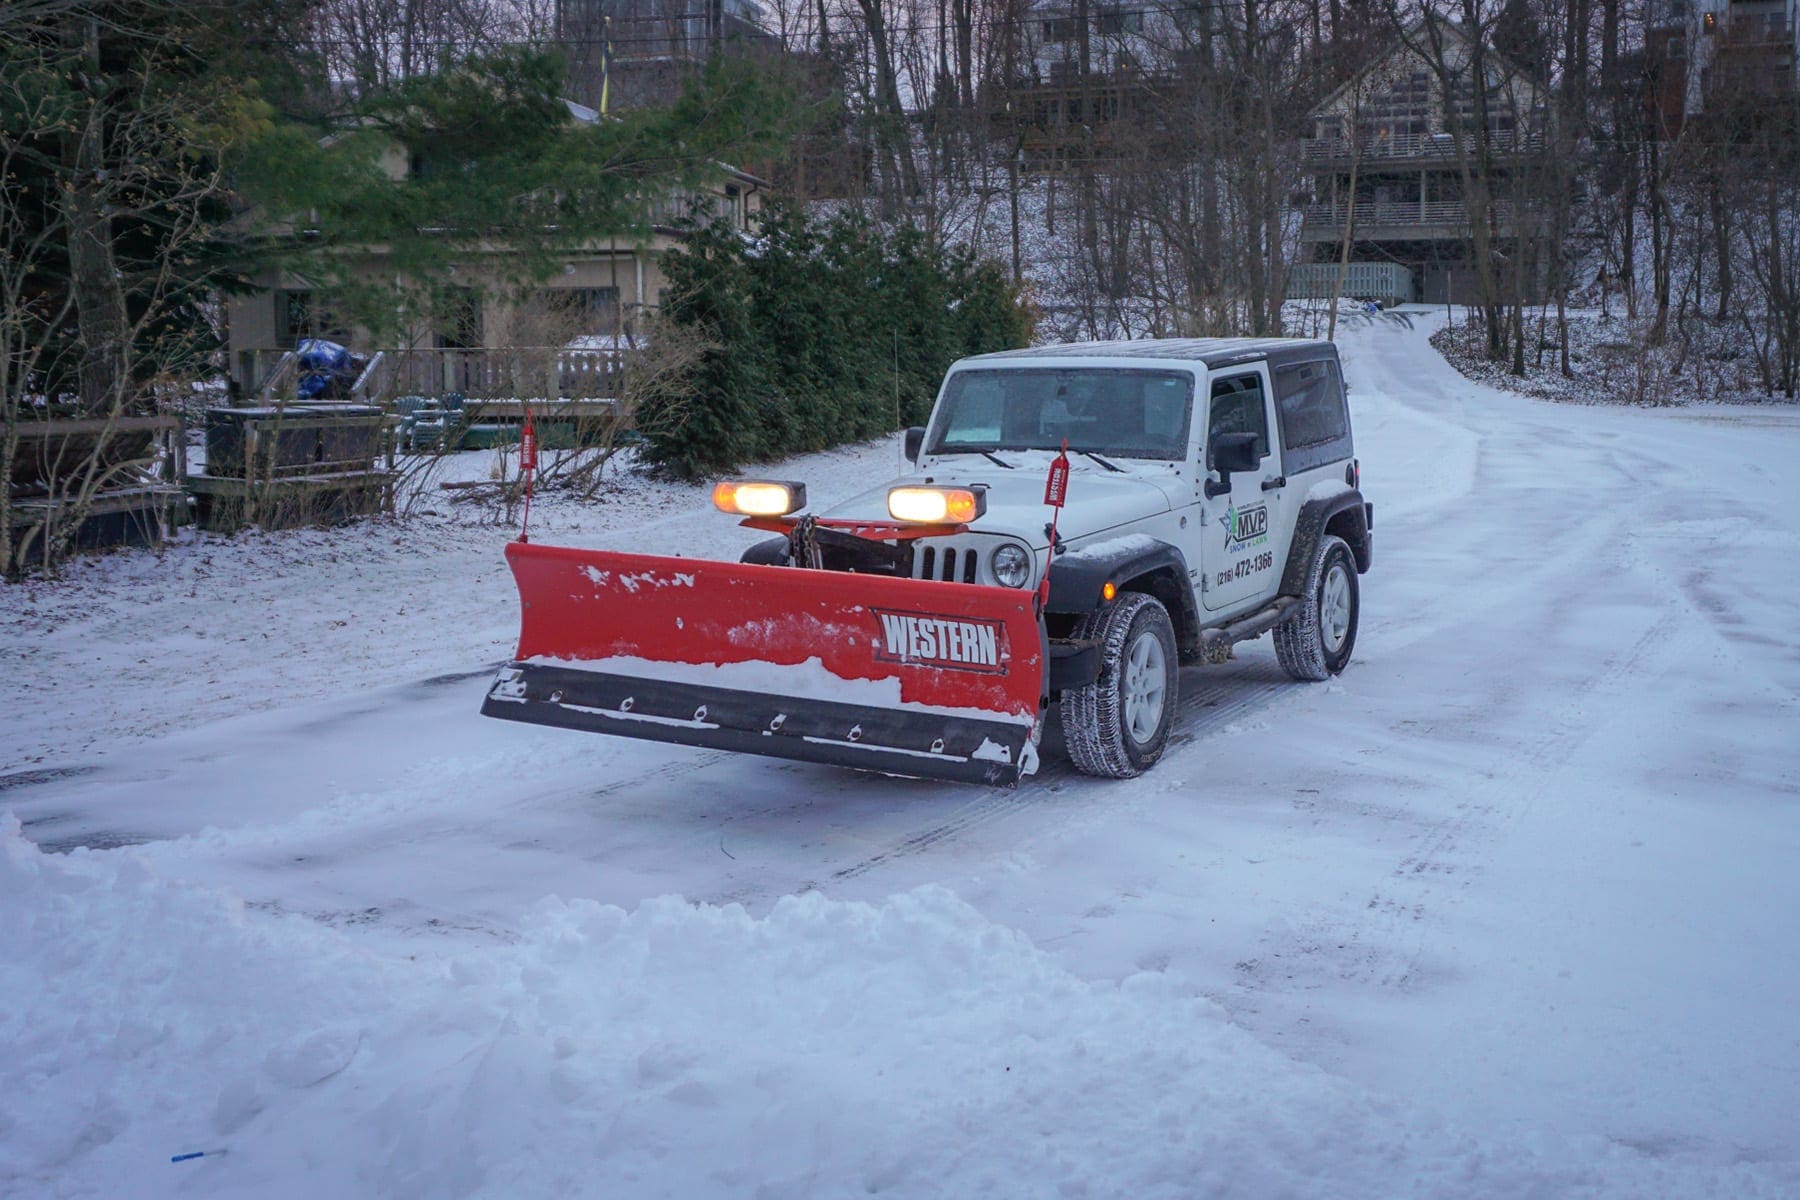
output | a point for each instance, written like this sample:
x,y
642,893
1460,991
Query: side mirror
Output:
x,y
1233,452
915,438
1230,452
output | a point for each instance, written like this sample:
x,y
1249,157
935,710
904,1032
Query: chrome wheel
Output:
x,y
1146,682
1334,608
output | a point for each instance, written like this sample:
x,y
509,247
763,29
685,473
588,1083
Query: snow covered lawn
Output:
x,y
1506,910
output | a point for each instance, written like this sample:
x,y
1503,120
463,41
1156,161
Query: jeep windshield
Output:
x,y
1108,411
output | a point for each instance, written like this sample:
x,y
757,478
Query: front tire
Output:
x,y
1315,643
1118,725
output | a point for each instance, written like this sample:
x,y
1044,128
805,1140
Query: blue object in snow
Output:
x,y
196,1154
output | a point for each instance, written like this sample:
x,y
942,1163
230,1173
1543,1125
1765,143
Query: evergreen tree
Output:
x,y
818,332
113,121
496,158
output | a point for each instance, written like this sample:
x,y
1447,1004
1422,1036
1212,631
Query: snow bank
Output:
x,y
143,1018
829,1049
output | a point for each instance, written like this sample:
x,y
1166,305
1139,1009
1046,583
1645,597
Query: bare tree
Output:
x,y
119,172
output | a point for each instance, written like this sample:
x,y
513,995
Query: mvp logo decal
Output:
x,y
1245,526
924,641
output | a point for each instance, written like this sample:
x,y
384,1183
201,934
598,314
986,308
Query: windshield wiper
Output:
x,y
987,454
1109,466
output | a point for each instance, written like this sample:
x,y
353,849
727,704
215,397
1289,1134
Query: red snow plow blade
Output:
x,y
911,677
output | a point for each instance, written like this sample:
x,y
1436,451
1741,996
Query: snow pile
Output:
x,y
142,1017
829,1049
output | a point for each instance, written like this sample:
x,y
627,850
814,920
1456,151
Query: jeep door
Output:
x,y
1246,530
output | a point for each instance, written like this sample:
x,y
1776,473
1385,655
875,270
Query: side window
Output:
x,y
1312,404
1238,407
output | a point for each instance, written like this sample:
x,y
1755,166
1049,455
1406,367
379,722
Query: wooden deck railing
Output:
x,y
1432,212
530,372
1417,145
533,372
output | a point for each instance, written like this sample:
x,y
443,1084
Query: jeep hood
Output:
x,y
1099,500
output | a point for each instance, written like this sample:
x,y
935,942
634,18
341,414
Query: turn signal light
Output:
x,y
937,506
758,497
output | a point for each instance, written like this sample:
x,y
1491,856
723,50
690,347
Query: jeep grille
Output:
x,y
942,560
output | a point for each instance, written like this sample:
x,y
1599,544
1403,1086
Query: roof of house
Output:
x,y
1406,44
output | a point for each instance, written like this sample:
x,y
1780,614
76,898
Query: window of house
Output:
x,y
459,324
298,314
1059,29
293,317
424,165
596,308
1117,22
1398,112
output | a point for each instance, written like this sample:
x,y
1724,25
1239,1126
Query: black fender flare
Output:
x,y
1078,582
1342,513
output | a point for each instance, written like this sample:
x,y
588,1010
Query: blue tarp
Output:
x,y
322,365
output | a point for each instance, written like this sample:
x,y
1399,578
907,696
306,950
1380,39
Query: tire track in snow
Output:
x,y
1201,713
1441,854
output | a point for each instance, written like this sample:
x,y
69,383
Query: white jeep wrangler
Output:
x,y
1214,497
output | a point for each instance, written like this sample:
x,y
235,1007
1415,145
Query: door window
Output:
x,y
1238,406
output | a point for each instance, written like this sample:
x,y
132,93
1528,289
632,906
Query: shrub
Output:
x,y
818,332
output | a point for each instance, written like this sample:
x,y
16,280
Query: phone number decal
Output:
x,y
1245,567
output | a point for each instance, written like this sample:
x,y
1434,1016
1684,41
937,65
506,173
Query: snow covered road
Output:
x,y
1505,910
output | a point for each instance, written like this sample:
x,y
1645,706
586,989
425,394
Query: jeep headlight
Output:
x,y
1011,565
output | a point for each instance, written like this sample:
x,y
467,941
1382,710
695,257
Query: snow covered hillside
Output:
x,y
1504,911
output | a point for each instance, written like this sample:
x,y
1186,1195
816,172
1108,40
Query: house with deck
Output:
x,y
585,315
1397,173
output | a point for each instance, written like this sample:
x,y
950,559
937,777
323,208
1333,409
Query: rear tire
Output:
x,y
1315,643
1118,725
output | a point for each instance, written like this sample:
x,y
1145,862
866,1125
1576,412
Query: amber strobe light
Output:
x,y
758,497
937,506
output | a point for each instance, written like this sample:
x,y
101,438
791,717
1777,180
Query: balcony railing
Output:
x,y
1418,145
503,374
1371,214
480,374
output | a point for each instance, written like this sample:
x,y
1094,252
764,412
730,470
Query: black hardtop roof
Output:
x,y
1214,352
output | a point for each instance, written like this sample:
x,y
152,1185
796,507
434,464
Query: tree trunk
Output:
x,y
893,133
93,271
1721,232
963,14
1337,288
